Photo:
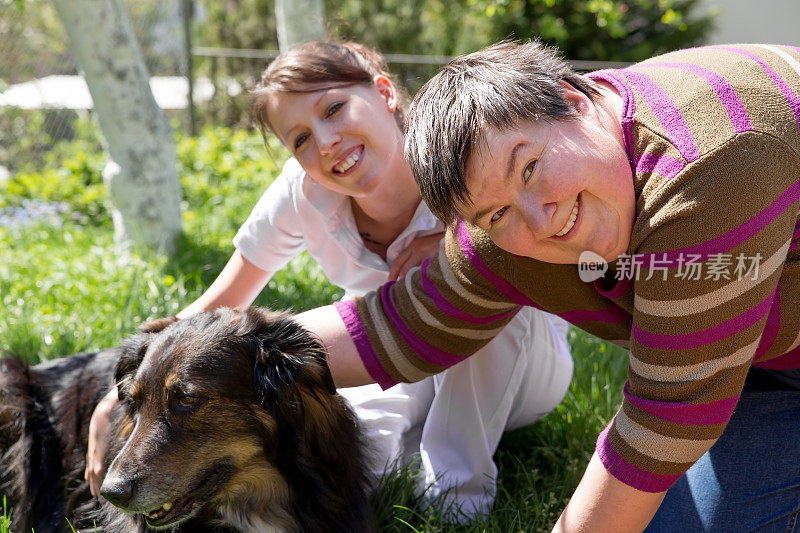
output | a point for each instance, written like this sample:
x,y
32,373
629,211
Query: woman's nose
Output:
x,y
327,139
538,215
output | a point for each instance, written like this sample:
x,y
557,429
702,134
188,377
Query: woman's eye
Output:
x,y
499,214
300,140
334,108
529,170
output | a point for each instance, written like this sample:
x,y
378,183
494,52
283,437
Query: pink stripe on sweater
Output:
x,y
794,101
423,349
668,114
789,360
663,165
612,315
349,315
727,96
727,241
629,474
708,336
796,232
508,290
693,414
451,310
617,291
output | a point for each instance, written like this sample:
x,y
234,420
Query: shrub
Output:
x,y
220,167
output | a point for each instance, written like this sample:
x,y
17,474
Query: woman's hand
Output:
x,y
99,427
416,252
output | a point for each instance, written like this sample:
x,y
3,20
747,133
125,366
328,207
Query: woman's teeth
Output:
x,y
345,165
570,222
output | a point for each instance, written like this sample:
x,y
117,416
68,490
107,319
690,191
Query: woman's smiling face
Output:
x,y
552,190
346,138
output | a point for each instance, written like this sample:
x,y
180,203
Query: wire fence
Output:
x,y
43,98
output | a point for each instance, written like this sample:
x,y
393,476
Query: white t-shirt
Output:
x,y
295,214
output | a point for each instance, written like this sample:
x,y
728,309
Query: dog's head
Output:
x,y
224,411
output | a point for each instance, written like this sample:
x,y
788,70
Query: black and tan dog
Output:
x,y
228,421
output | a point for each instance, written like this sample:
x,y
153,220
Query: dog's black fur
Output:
x,y
262,442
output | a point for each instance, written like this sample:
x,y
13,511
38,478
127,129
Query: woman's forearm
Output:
x,y
602,503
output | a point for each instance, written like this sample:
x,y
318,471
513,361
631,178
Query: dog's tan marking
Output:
x,y
260,486
136,389
257,485
172,382
318,408
125,427
266,420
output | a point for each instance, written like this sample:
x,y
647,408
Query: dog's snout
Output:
x,y
118,491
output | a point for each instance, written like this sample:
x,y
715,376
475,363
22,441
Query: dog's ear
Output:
x,y
288,355
132,352
317,442
290,373
133,348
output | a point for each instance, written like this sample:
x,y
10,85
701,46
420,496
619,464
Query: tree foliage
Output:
x,y
610,30
603,30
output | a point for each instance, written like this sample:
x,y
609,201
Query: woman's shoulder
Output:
x,y
294,183
292,173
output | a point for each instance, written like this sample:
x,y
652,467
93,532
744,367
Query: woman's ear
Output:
x,y
575,98
387,90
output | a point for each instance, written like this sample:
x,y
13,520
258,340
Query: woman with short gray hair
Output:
x,y
676,183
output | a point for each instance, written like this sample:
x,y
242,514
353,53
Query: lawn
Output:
x,y
65,289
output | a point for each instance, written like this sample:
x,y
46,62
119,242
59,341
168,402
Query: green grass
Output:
x,y
540,465
5,520
66,289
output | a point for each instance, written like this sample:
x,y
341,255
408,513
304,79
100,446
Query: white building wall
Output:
x,y
756,21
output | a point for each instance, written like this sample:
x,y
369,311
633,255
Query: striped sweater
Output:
x,y
710,284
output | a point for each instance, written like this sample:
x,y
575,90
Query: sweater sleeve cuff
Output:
x,y
349,314
629,474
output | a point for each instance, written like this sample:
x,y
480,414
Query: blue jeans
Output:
x,y
750,479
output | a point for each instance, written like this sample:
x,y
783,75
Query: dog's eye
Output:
x,y
185,403
187,400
